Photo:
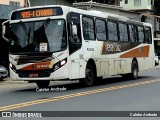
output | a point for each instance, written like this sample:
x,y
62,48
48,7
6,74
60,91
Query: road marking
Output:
x,y
35,102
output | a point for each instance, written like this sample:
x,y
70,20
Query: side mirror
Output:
x,y
6,30
3,30
74,29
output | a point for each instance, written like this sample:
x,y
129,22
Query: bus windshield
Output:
x,y
38,36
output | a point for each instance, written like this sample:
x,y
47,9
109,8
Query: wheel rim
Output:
x,y
89,75
135,72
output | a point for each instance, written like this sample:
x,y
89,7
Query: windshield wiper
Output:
x,y
46,23
25,30
40,34
24,27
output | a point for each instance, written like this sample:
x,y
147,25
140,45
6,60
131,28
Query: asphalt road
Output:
x,y
110,94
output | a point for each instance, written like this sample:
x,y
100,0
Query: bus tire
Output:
x,y
134,70
43,84
90,75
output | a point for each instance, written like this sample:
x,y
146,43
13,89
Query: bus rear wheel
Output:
x,y
90,77
43,84
134,70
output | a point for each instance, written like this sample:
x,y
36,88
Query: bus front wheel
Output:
x,y
90,76
43,84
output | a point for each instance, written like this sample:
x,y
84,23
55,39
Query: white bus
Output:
x,y
64,43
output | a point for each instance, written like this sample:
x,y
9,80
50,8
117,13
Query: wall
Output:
x,y
5,11
131,5
112,10
49,2
131,15
6,2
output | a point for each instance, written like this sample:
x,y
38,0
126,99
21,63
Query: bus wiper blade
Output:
x,y
25,30
24,27
46,23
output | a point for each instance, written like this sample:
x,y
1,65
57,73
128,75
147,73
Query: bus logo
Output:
x,y
111,47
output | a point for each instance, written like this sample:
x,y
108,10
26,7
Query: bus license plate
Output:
x,y
33,75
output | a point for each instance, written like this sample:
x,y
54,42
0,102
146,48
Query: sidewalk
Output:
x,y
7,84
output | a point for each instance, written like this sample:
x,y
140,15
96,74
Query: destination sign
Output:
x,y
34,13
37,13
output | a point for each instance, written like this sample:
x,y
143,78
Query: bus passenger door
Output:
x,y
75,43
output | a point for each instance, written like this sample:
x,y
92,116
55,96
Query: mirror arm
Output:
x,y
4,30
5,39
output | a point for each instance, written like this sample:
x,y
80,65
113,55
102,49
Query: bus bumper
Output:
x,y
61,73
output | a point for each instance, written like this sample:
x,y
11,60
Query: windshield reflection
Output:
x,y
39,36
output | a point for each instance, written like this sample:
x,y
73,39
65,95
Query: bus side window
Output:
x,y
140,34
148,35
88,28
112,31
133,33
123,32
101,29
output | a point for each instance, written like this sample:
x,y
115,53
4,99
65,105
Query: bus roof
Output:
x,y
91,13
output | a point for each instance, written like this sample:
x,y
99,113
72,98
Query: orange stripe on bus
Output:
x,y
38,66
138,52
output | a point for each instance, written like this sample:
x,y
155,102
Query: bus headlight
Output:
x,y
63,62
59,64
10,65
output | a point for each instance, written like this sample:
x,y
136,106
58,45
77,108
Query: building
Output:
x,y
145,8
137,4
12,2
111,6
108,8
69,2
49,2
109,2
140,10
